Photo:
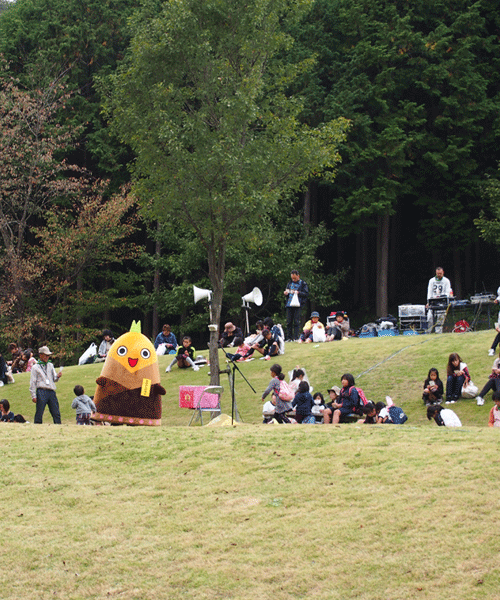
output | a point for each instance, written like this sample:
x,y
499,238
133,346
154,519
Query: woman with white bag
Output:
x,y
457,378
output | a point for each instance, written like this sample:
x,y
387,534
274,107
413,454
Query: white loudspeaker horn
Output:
x,y
200,293
254,296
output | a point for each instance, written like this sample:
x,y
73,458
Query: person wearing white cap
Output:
x,y
43,386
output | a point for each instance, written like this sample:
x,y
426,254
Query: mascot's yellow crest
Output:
x,y
133,350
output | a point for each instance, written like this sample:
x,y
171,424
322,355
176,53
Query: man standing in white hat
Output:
x,y
43,386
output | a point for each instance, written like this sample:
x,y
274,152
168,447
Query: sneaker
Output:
x,y
196,368
480,401
249,359
491,352
268,358
453,401
449,402
168,369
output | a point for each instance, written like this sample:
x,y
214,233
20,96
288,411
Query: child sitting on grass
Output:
x,y
494,420
433,388
184,356
83,404
7,415
242,350
306,336
303,403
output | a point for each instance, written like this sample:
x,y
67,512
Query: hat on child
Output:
x,y
314,314
334,388
229,327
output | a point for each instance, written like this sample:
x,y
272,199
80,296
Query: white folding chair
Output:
x,y
207,404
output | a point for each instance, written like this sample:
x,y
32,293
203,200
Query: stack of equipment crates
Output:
x,y
412,317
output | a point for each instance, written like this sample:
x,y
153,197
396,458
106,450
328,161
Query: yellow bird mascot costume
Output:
x,y
128,390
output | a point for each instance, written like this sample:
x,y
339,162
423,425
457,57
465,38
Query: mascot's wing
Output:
x,y
159,389
109,386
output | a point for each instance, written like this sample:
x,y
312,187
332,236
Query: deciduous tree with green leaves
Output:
x,y
203,99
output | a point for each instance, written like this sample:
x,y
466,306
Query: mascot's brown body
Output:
x,y
128,390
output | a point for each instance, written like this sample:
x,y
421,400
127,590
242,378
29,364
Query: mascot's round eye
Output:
x,y
145,353
122,350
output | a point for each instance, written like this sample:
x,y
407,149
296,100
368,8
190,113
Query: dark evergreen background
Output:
x,y
419,82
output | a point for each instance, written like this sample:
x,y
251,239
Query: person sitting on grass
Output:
x,y
184,356
297,376
255,338
444,417
348,401
318,404
334,393
494,418
230,333
104,347
433,388
339,329
303,403
492,383
242,350
268,347
307,333
84,406
7,415
457,375
268,410
168,338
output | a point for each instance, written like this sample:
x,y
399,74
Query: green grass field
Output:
x,y
257,511
394,366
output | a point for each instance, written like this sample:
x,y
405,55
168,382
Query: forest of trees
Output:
x,y
105,140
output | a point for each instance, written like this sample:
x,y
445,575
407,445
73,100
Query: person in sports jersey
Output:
x,y
438,286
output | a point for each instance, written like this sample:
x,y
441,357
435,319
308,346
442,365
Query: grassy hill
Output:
x,y
394,366
365,512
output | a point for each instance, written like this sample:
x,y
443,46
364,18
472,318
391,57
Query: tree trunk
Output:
x,y
156,286
456,283
307,207
216,271
382,264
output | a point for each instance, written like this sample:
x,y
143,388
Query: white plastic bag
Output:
x,y
319,334
91,351
469,390
295,301
161,350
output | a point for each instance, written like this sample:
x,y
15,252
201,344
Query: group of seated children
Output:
x,y
267,340
345,403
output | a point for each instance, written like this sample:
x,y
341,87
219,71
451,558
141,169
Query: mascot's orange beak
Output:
x,y
133,361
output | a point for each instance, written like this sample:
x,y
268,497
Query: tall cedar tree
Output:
x,y
419,81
